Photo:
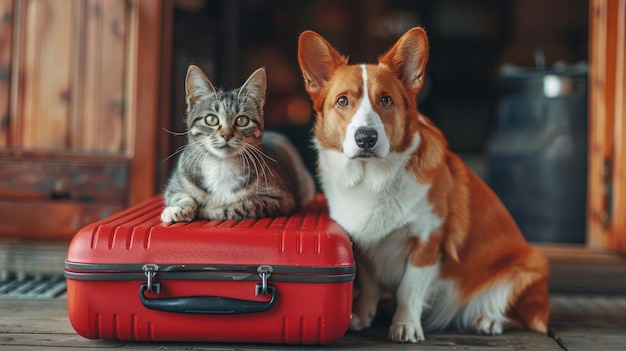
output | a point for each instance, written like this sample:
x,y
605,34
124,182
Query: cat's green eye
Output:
x,y
212,120
242,121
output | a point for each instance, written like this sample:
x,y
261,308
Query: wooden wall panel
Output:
x,y
596,199
98,120
53,195
6,42
42,104
144,104
607,148
69,80
618,230
69,217
55,177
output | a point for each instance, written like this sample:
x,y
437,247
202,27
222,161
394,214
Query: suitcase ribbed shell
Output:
x,y
309,255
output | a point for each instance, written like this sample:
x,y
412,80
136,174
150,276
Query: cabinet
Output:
x,y
82,93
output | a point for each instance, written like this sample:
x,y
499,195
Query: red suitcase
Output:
x,y
273,280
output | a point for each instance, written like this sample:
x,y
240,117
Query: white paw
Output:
x,y
406,332
177,214
484,325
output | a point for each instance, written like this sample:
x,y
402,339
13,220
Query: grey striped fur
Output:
x,y
230,168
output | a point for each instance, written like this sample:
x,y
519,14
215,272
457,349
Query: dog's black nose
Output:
x,y
365,137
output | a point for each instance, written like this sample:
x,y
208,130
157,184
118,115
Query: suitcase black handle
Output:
x,y
207,304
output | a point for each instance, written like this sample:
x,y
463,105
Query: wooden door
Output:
x,y
80,95
607,125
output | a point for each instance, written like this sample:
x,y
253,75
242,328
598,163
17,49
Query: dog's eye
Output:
x,y
242,121
386,102
212,120
342,101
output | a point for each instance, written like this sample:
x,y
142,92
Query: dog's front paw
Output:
x,y
177,214
484,325
406,332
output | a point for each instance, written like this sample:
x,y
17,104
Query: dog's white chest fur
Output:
x,y
374,198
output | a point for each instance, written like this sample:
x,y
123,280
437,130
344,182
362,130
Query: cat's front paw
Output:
x,y
177,214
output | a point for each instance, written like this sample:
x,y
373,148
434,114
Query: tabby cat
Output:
x,y
230,168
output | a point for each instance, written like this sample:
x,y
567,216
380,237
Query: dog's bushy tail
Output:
x,y
531,308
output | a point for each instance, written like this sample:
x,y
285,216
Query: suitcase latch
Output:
x,y
150,270
265,272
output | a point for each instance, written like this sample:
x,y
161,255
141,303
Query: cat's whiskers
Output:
x,y
181,149
198,155
176,133
246,166
257,164
252,159
260,156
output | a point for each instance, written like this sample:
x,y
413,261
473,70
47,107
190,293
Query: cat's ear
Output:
x,y
255,86
197,84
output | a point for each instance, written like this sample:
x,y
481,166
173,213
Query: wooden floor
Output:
x,y
588,312
578,323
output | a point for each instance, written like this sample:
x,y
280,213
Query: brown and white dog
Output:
x,y
424,226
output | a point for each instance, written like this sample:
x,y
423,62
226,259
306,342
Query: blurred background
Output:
x,y
92,96
484,88
77,73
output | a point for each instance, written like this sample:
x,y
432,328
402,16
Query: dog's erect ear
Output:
x,y
197,84
408,58
318,60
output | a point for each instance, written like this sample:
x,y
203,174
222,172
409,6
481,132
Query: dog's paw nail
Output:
x,y
483,325
406,333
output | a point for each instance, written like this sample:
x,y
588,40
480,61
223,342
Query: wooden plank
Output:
x,y
595,195
44,323
50,176
50,219
33,258
603,61
350,342
44,64
98,121
143,92
617,233
590,322
47,195
581,270
583,322
162,154
607,128
6,50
